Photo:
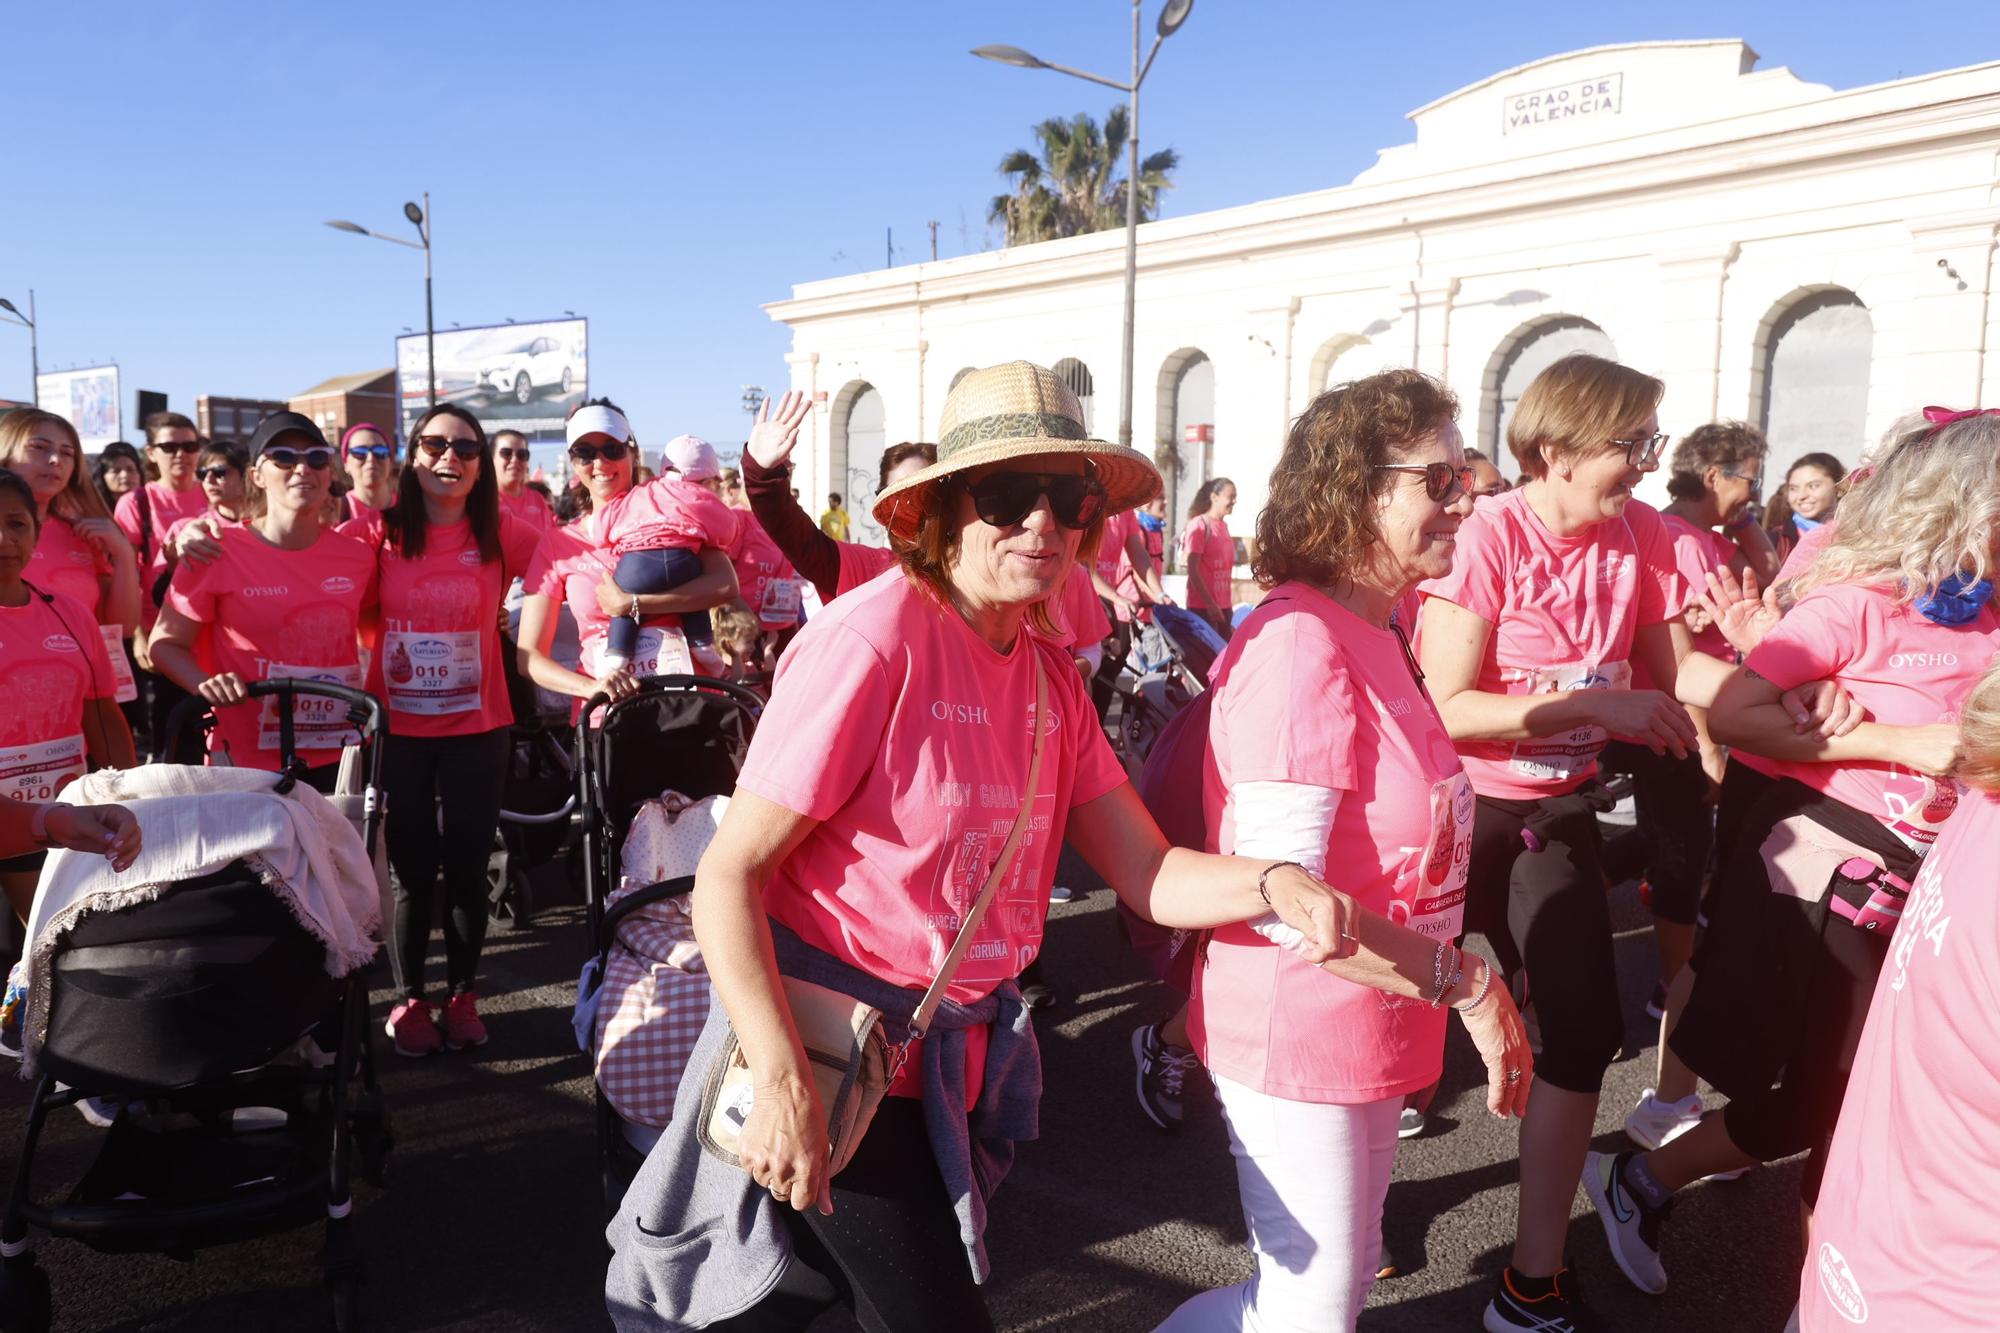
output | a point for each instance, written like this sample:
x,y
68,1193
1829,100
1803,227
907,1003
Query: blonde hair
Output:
x,y
1931,509
1979,733
77,499
1575,408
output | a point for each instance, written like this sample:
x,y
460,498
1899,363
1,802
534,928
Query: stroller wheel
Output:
x,y
25,1303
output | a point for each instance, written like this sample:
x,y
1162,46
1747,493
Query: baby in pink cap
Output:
x,y
657,532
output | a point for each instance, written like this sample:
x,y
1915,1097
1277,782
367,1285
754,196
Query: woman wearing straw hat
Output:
x,y
896,825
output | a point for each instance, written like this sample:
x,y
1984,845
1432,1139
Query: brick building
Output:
x,y
338,403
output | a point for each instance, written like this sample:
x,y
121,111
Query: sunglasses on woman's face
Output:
x,y
435,445
611,451
375,451
218,473
179,446
286,457
1442,481
1004,499
507,455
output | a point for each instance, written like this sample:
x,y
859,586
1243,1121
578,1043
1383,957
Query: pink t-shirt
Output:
x,y
168,508
435,657
1080,619
668,514
908,738
1563,612
1128,574
765,580
1307,692
1111,556
1212,550
1901,668
1903,1236
859,564
530,508
1699,552
1810,545
268,613
51,661
66,563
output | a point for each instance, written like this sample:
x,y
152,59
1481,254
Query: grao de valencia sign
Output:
x,y
1580,98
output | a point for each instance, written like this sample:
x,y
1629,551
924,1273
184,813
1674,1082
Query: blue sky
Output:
x,y
665,168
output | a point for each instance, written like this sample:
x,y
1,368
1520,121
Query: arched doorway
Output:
x,y
1522,355
1077,375
858,439
1185,447
1346,359
1816,361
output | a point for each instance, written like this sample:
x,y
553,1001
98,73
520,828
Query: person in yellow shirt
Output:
x,y
834,521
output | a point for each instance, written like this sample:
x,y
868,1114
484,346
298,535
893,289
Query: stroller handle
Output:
x,y
364,710
665,684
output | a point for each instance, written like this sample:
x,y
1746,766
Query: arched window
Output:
x,y
1184,409
858,440
1354,358
1077,375
1816,364
1521,356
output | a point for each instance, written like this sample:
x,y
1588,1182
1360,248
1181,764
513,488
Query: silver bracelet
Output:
x,y
1439,984
1480,998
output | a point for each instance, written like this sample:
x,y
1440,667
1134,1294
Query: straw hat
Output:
x,y
1014,411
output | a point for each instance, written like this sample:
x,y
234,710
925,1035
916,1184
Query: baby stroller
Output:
x,y
1147,702
205,1008
685,734
536,809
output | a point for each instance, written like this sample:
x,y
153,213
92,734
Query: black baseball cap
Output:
x,y
279,424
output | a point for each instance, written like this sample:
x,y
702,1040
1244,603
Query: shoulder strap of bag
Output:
x,y
920,1022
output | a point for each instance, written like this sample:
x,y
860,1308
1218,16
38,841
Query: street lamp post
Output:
x,y
421,219
34,344
1172,15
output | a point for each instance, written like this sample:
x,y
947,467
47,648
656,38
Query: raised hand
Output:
x,y
1738,611
775,434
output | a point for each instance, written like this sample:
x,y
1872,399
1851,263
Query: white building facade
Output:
x,y
1815,262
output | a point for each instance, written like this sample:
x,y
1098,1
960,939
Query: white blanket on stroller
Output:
x,y
195,821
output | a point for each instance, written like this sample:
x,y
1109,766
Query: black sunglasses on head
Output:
x,y
284,456
1004,499
611,451
435,445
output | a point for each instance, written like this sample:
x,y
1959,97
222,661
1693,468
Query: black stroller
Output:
x,y
685,733
238,1132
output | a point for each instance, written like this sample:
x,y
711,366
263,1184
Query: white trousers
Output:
x,y
1313,1177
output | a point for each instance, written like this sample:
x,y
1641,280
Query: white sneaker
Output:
x,y
1630,1227
1654,1122
1410,1123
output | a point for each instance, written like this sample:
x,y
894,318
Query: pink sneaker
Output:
x,y
462,1027
412,1029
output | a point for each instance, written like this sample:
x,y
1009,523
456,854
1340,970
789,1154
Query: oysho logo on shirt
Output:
x,y
338,586
59,643
1923,659
943,711
1837,1280
268,590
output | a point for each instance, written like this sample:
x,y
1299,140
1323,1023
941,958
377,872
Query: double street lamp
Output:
x,y
34,341
420,219
1171,17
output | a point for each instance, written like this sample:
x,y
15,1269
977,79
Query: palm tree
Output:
x,y
1069,189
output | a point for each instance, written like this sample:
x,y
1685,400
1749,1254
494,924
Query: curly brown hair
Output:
x,y
1320,520
1723,444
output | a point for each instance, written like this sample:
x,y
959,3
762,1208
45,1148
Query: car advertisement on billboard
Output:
x,y
89,398
523,377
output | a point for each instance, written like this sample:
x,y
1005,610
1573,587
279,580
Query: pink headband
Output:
x,y
349,433
1940,417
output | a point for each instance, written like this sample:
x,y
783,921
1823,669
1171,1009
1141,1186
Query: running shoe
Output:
x,y
1162,1073
412,1030
1653,1122
462,1027
1060,893
1561,1310
1656,1003
1630,1224
1410,1123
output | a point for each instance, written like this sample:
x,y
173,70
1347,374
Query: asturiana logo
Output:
x,y
337,586
59,643
1837,1280
471,558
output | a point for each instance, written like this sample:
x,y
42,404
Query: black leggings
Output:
x,y
1676,828
890,1252
1546,916
460,775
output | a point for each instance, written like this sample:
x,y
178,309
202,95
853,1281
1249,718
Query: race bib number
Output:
x,y
1568,753
1430,897
431,674
126,689
1917,806
662,651
37,772
318,723
781,602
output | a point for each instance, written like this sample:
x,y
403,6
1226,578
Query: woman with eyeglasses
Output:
x,y
447,556
1559,588
573,567
518,500
285,597
222,470
370,461
1326,751
916,733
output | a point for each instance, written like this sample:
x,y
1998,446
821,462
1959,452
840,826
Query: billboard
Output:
x,y
523,377
89,398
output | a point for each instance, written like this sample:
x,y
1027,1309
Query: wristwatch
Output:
x,y
38,823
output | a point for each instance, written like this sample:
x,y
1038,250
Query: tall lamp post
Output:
x,y
34,344
1172,15
420,219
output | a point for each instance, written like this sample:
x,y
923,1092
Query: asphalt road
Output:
x,y
489,1219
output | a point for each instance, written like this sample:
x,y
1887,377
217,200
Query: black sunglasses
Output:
x,y
220,472
285,456
435,445
611,451
179,447
1442,481
511,454
1004,499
